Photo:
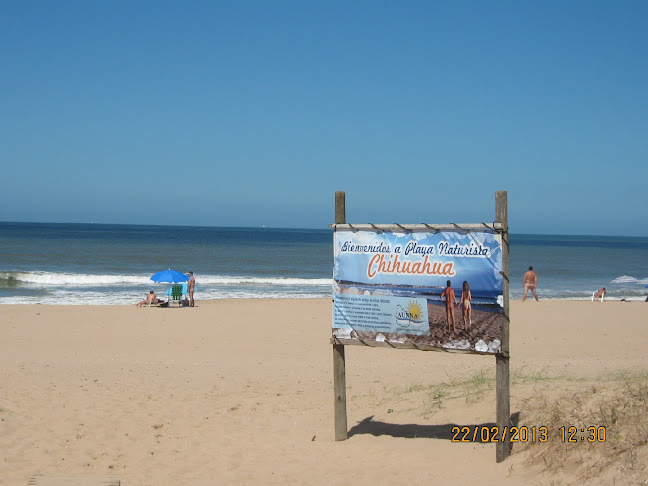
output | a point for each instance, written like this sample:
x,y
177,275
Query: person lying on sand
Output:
x,y
151,298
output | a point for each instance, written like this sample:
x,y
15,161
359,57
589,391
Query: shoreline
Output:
x,y
240,391
240,299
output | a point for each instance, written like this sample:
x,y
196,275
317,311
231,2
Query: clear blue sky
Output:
x,y
250,113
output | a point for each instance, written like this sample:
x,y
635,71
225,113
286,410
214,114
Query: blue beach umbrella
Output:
x,y
169,276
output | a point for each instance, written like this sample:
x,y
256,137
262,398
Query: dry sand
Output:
x,y
240,392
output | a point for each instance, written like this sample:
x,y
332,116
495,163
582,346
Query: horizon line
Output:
x,y
286,228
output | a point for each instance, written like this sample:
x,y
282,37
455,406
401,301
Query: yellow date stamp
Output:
x,y
542,433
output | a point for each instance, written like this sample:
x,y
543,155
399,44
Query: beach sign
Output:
x,y
430,287
391,286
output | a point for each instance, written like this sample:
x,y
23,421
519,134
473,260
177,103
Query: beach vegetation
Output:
x,y
616,404
471,388
613,408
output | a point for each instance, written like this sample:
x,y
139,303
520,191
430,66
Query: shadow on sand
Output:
x,y
416,431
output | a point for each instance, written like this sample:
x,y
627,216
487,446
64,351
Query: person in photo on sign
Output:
x,y
448,296
530,282
599,295
466,310
191,286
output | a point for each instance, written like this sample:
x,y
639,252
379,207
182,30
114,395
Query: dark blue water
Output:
x,y
111,264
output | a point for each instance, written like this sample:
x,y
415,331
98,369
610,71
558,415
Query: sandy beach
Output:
x,y
240,392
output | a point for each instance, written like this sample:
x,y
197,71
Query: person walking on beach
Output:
x,y
530,282
599,295
448,296
466,311
191,285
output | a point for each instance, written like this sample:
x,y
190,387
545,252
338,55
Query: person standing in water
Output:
x,y
530,282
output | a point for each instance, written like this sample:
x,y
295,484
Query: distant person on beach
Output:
x,y
530,282
448,296
599,295
191,285
466,310
151,298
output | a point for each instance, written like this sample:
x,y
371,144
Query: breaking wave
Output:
x,y
85,280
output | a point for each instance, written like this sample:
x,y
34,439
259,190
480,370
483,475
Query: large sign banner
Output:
x,y
441,289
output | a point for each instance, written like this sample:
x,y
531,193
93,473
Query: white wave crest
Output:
x,y
81,280
231,280
623,279
73,279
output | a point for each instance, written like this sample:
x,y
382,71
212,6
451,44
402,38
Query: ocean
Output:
x,y
79,264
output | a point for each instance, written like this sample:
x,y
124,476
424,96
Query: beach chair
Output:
x,y
176,294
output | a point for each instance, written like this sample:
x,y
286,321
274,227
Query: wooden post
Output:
x,y
339,366
502,388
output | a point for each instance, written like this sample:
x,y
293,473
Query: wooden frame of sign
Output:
x,y
502,384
